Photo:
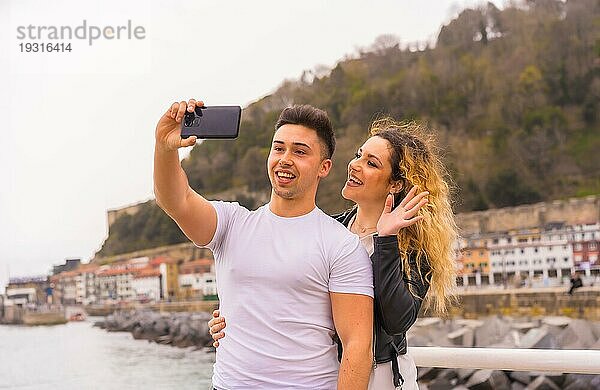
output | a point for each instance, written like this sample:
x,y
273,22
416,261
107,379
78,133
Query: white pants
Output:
x,y
382,377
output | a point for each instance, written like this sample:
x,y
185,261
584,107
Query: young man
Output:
x,y
287,262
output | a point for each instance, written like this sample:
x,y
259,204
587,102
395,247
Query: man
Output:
x,y
576,282
287,273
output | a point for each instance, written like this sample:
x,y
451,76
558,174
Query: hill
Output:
x,y
512,95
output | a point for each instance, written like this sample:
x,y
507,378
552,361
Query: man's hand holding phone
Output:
x,y
168,129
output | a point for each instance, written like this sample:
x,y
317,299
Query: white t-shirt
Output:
x,y
274,275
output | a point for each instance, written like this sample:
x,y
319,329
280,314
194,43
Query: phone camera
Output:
x,y
188,119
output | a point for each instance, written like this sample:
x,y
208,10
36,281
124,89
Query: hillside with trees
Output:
x,y
513,96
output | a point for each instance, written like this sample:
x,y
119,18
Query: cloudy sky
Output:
x,y
77,127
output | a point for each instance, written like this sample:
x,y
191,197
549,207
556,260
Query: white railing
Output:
x,y
546,360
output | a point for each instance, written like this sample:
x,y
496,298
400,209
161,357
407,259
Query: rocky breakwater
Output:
x,y
505,332
177,329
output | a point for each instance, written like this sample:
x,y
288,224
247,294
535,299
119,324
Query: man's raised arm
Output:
x,y
195,216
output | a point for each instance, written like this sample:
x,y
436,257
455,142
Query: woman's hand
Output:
x,y
391,221
215,327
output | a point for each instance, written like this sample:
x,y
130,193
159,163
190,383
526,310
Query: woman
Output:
x,y
412,255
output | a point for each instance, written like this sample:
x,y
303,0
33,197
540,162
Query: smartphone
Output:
x,y
220,122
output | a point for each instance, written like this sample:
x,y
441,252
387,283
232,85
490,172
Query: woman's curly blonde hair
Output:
x,y
416,161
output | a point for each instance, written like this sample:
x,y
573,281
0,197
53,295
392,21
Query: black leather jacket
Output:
x,y
396,308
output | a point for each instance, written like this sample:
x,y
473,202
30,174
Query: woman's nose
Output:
x,y
354,165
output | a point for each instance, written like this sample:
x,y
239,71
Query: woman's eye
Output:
x,y
372,164
300,152
356,155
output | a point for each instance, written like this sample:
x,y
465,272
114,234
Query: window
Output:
x,y
522,250
566,259
483,265
480,253
592,246
522,240
535,249
578,246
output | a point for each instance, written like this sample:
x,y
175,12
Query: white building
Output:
x,y
531,254
146,285
198,277
115,284
201,283
585,239
20,296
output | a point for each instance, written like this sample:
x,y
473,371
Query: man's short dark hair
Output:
x,y
312,118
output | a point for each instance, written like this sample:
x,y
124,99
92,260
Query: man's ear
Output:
x,y
325,168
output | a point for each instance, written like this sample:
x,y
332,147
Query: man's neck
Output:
x,y
289,208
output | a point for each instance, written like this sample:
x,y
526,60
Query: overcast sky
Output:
x,y
77,127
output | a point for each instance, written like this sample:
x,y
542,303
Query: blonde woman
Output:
x,y
404,219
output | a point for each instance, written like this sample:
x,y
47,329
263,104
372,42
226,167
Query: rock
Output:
x,y
539,338
138,333
523,327
462,337
578,384
469,323
577,335
448,373
440,384
557,377
517,386
520,376
446,379
559,321
465,373
416,340
542,383
581,381
178,329
427,374
596,329
492,331
427,322
100,324
488,379
164,339
438,338
555,325
511,340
